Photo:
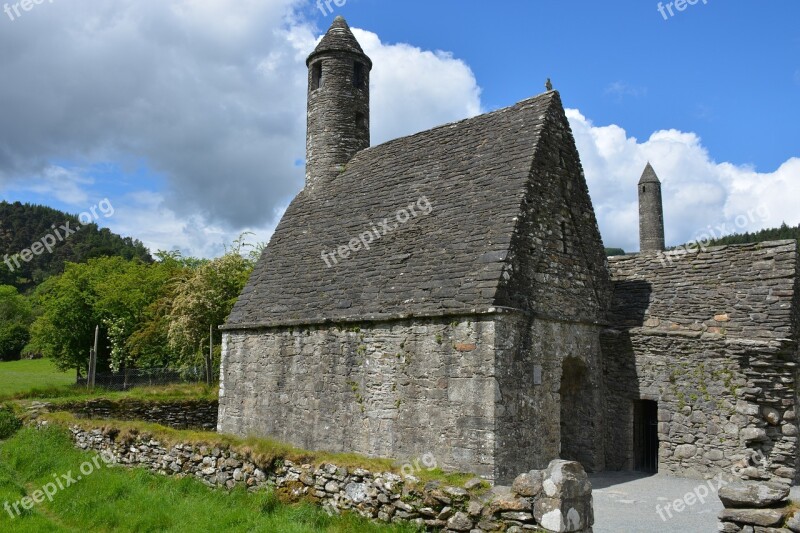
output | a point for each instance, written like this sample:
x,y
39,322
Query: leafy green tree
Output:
x,y
15,319
202,301
68,313
109,292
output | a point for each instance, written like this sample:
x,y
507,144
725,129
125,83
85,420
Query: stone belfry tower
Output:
x,y
651,212
338,103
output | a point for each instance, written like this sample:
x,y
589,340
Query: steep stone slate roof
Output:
x,y
746,291
338,38
649,175
473,173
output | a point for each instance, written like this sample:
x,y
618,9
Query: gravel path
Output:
x,y
626,502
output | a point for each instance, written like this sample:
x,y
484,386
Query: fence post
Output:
x,y
210,362
93,360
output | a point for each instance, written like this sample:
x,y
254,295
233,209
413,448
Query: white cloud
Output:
x,y
698,192
413,90
64,184
211,94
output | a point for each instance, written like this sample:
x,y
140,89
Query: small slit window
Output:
x,y
316,76
361,121
358,75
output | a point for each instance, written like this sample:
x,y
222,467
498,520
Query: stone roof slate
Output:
x,y
339,38
649,175
740,291
474,173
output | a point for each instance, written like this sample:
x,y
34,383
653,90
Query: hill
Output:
x,y
773,234
36,241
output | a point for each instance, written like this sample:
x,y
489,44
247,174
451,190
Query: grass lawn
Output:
x,y
121,499
21,376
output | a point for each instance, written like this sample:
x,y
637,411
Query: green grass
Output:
x,y
17,377
121,499
194,391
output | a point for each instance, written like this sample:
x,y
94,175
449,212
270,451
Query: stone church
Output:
x,y
447,293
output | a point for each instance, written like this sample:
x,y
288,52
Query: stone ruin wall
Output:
x,y
712,338
714,414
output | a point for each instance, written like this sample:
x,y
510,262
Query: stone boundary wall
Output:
x,y
557,499
752,507
177,414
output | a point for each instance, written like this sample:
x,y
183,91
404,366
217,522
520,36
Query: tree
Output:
x,y
15,320
203,300
110,292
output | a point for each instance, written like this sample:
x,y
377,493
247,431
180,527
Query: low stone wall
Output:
x,y
178,414
752,507
557,499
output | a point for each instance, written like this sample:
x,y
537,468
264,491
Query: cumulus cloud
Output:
x,y
701,196
210,94
209,97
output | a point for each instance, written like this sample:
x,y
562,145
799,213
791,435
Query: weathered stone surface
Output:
x,y
529,484
753,494
757,517
459,522
701,334
565,505
793,523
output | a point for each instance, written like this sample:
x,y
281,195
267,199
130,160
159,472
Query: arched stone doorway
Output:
x,y
577,413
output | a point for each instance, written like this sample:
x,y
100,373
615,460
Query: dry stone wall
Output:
x,y
178,414
752,507
557,499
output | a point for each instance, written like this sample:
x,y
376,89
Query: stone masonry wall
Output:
x,y
712,337
720,405
532,355
178,414
558,498
390,389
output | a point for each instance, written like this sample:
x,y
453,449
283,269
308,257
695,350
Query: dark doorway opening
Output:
x,y
645,436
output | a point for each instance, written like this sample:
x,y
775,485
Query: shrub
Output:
x,y
9,423
13,339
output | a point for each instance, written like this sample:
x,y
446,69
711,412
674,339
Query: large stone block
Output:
x,y
753,494
757,517
566,501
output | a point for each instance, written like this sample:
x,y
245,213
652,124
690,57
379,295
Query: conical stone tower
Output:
x,y
338,103
651,212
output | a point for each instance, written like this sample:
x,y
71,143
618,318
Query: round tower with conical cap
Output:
x,y
338,103
651,212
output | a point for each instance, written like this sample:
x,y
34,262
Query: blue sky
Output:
x,y
189,116
728,70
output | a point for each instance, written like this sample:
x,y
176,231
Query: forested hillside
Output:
x,y
37,228
773,234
